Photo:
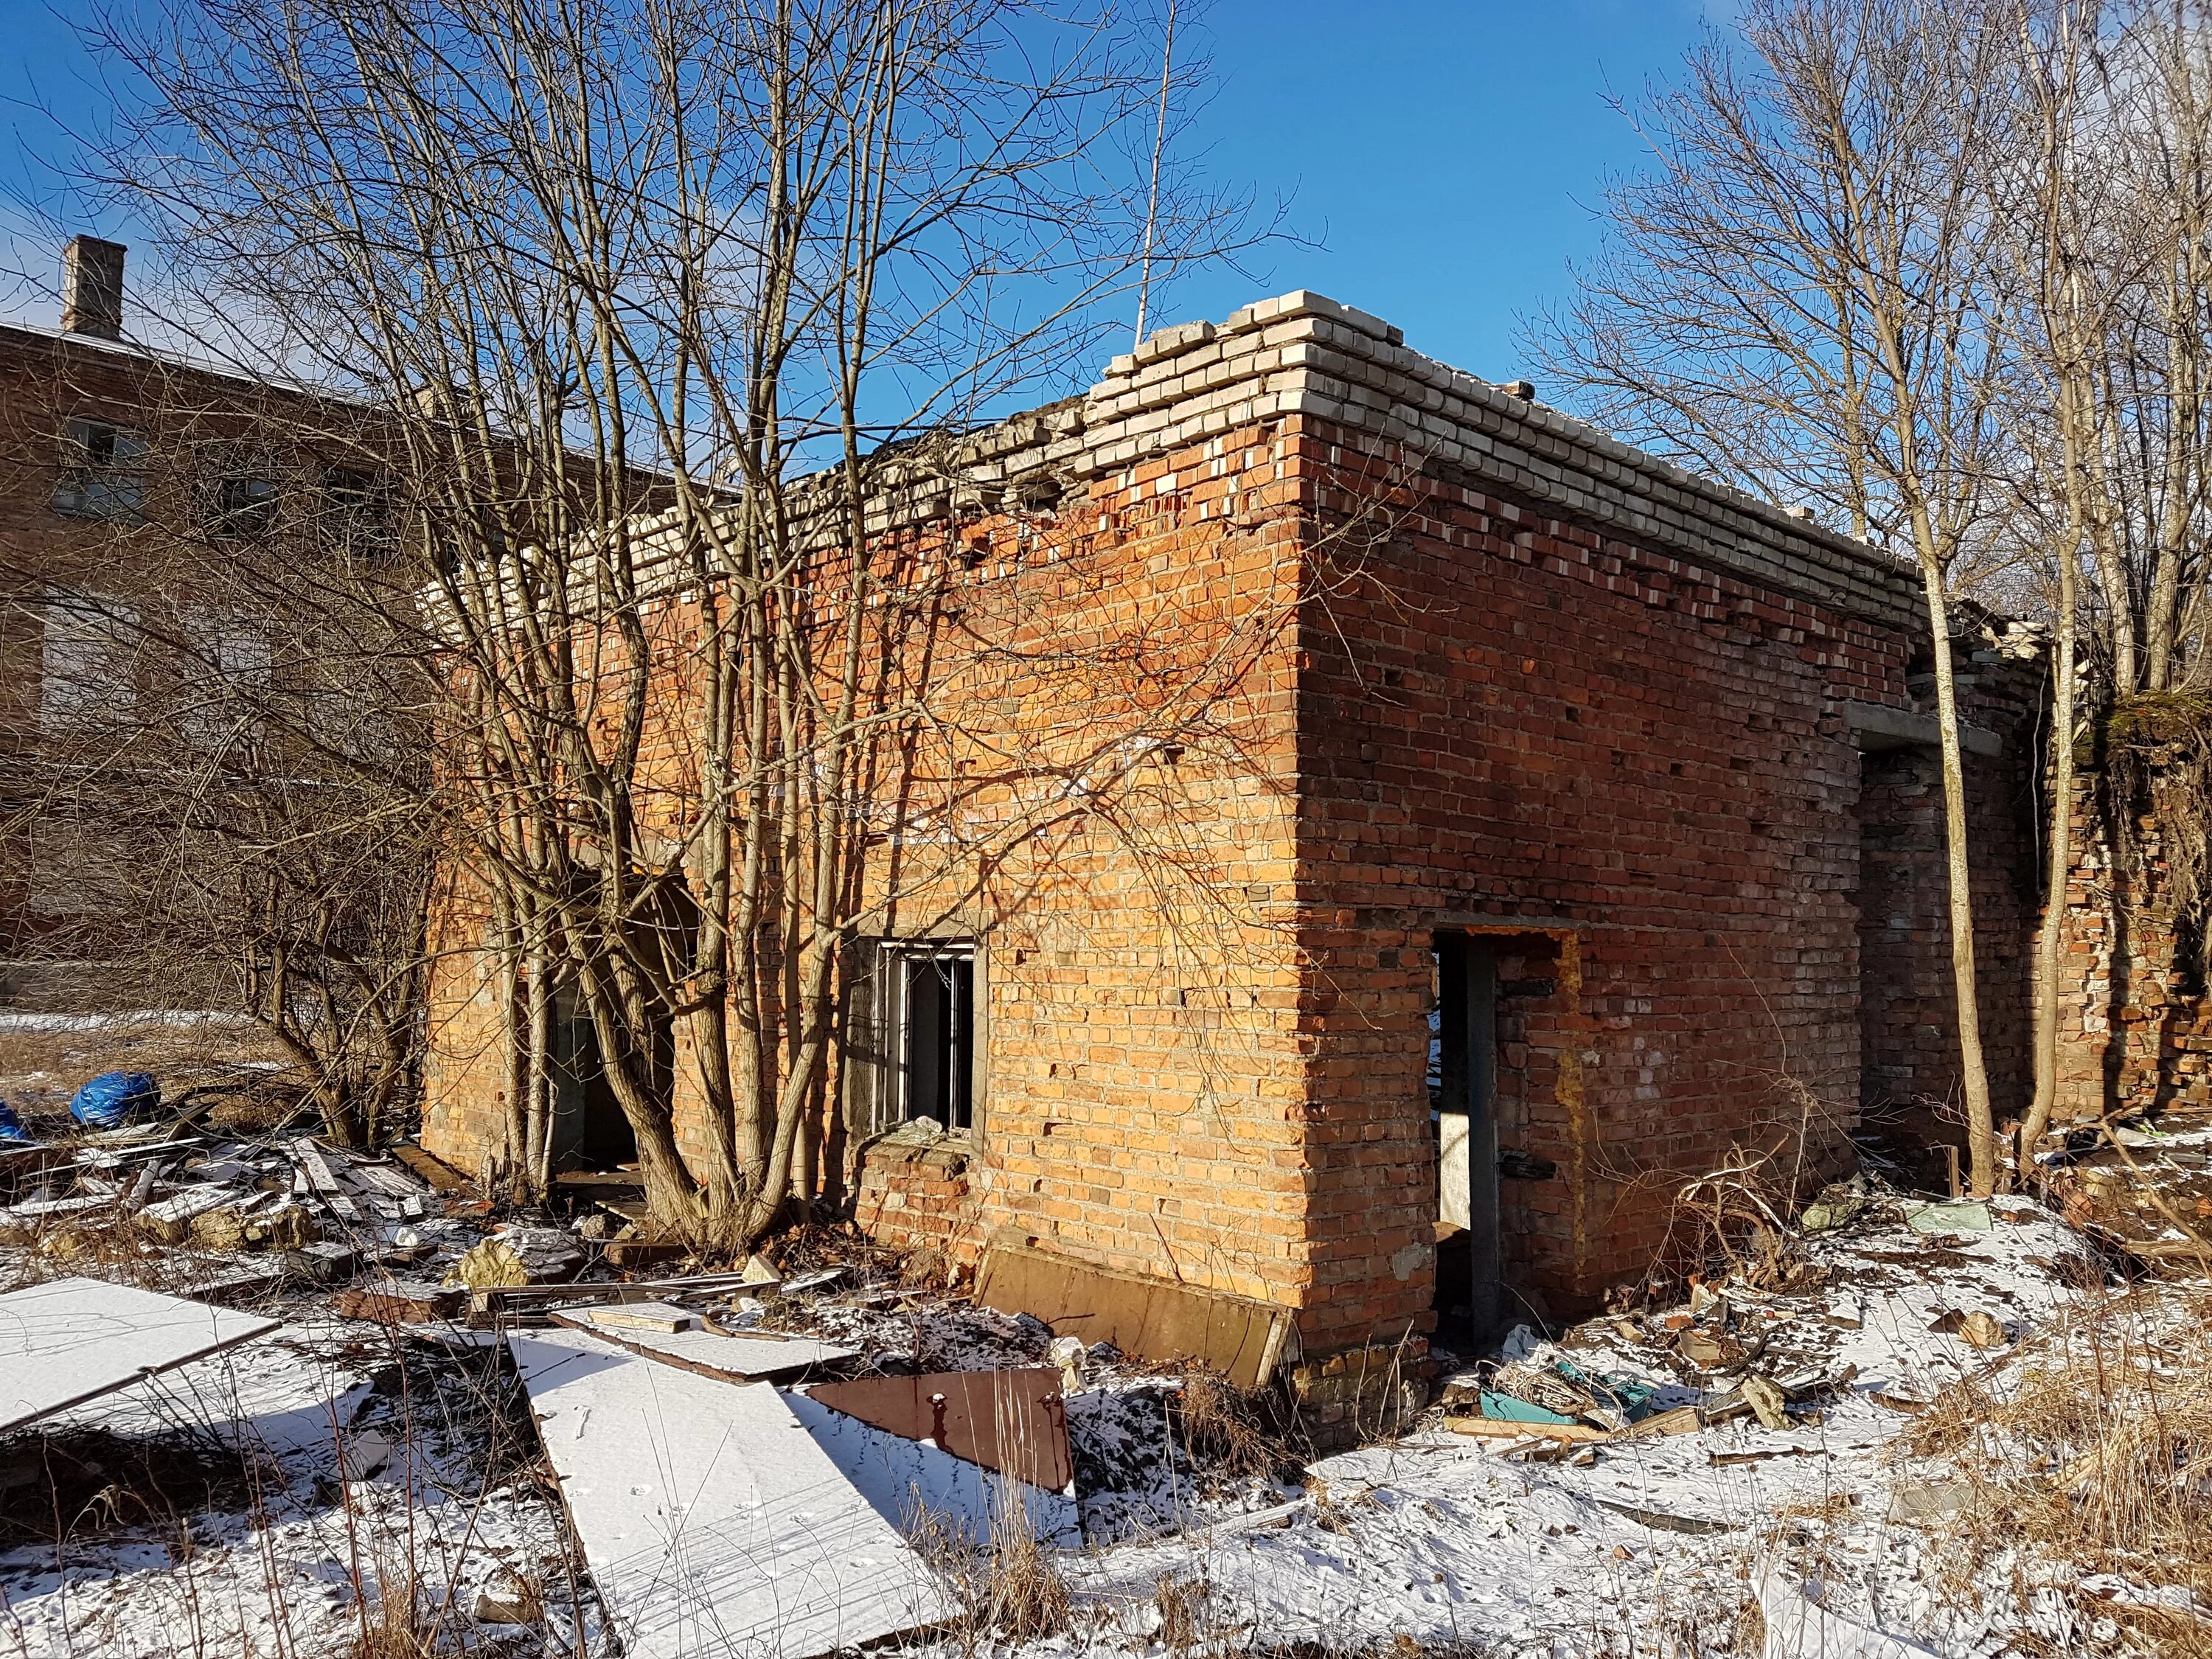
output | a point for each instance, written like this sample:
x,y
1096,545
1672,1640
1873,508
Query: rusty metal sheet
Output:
x,y
1012,1421
1146,1318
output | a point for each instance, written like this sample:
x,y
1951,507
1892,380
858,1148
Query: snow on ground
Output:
x,y
1657,1546
19,1020
445,1503
1676,1545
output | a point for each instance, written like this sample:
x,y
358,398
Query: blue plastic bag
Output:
x,y
11,1127
113,1099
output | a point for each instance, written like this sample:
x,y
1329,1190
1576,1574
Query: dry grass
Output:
x,y
1231,1433
2098,1460
1009,1583
249,1076
1182,1600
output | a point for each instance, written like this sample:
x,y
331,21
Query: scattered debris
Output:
x,y
1972,1215
710,1517
1507,1428
1765,1401
400,1302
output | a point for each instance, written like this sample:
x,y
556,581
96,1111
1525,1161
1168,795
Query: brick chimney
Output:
x,y
92,288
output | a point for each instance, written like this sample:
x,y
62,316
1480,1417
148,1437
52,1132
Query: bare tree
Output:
x,y
672,306
1798,300
2102,204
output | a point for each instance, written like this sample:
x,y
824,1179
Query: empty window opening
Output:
x,y
357,516
103,473
910,1035
238,496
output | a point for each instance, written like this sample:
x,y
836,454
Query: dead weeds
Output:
x,y
1235,1434
1010,1584
2098,1460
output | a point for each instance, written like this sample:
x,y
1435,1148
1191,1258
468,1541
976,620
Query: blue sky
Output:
x,y
1443,156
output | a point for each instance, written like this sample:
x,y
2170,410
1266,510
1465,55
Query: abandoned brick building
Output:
x,y
127,471
1601,829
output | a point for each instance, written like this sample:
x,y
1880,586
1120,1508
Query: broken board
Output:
x,y
400,1302
73,1339
902,1477
1012,1421
712,1522
1146,1318
442,1176
746,1358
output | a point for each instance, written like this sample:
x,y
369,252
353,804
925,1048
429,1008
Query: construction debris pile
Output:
x,y
754,1447
587,1446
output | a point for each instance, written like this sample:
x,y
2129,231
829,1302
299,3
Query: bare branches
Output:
x,y
667,306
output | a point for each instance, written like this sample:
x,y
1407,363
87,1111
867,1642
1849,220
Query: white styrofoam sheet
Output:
x,y
903,1478
74,1339
712,1522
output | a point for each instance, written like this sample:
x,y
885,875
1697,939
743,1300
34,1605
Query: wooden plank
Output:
x,y
74,1339
385,1181
731,1358
1146,1318
1504,1428
1012,1421
609,1290
400,1302
442,1176
712,1522
309,1157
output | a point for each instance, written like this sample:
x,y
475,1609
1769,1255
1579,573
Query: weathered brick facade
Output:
x,y
2134,1022
1652,742
140,550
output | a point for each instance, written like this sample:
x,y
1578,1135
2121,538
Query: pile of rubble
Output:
x,y
796,1423
1779,1342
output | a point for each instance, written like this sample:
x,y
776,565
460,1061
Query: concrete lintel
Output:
x,y
1879,728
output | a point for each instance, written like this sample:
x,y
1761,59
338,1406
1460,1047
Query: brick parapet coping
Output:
x,y
1303,354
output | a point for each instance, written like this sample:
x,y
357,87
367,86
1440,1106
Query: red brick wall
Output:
x,y
917,1198
1513,722
1625,758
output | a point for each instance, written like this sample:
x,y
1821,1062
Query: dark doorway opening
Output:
x,y
590,1131
1463,1111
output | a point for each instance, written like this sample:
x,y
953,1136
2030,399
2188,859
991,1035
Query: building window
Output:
x,y
238,496
88,676
103,473
356,512
910,1035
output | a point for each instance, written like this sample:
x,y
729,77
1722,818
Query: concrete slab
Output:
x,y
74,1339
712,1522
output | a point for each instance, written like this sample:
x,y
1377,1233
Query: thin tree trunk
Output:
x,y
534,1175
1973,1074
2061,871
